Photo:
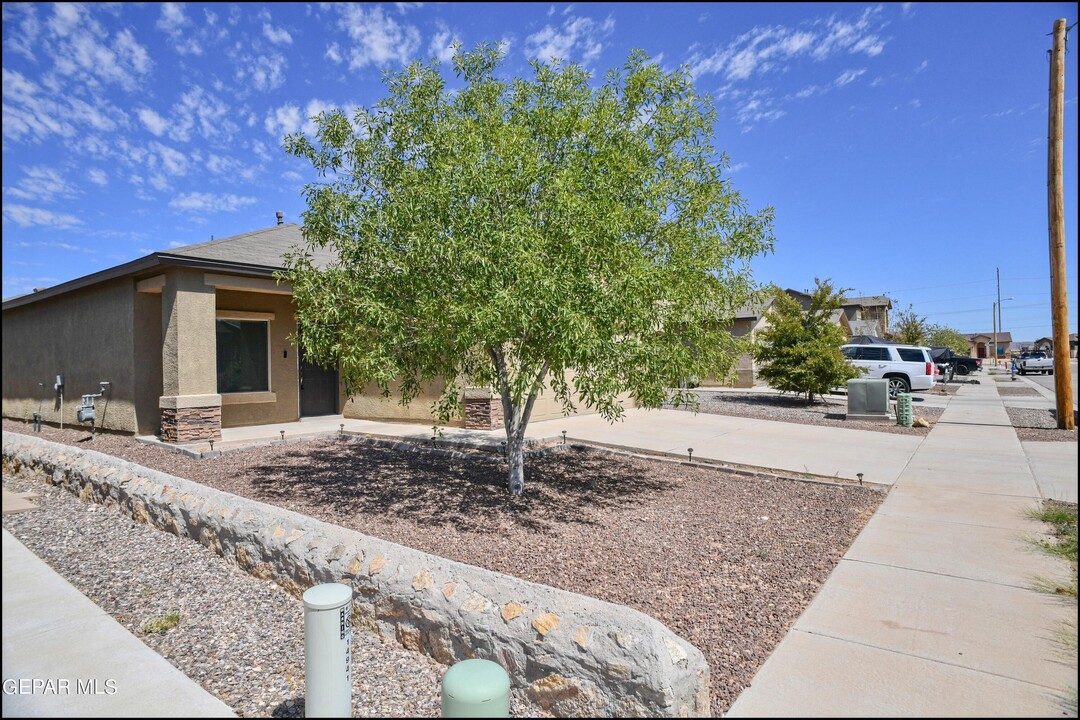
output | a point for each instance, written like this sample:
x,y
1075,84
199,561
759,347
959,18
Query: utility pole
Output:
x,y
993,339
1000,328
1056,212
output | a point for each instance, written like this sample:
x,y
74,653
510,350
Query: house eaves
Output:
x,y
258,253
140,265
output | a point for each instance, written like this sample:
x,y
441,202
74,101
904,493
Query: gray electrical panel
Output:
x,y
868,399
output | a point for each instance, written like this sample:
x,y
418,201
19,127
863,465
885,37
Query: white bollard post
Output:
x,y
328,650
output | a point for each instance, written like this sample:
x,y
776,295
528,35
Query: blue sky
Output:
x,y
903,146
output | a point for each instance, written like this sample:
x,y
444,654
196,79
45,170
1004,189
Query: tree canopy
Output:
x,y
910,328
799,349
945,336
528,235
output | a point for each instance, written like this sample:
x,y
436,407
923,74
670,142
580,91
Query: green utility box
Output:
x,y
904,412
476,689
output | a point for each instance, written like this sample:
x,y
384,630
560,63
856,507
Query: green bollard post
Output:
x,y
476,689
905,414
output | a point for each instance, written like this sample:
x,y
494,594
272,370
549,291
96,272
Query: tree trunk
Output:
x,y
515,452
515,420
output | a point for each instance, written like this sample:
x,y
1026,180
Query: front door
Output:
x,y
318,389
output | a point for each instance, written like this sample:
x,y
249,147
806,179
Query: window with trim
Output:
x,y
243,361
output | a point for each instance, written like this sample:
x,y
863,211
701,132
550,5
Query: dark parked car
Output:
x,y
962,365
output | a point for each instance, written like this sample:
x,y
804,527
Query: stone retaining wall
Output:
x,y
574,655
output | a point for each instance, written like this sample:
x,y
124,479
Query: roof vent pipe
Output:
x,y
280,217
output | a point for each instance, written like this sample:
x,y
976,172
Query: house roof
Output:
x,y
1001,336
869,301
258,253
264,248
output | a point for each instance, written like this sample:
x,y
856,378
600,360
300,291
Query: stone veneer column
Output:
x,y
190,404
482,411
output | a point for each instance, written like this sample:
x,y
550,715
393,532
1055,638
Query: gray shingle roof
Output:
x,y
868,301
259,247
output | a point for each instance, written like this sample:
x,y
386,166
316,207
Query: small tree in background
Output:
x,y
910,328
800,351
945,336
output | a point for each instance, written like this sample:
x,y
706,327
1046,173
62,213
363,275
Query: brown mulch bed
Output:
x,y
728,562
1038,425
829,411
1017,391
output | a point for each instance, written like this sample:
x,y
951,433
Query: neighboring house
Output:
x,y
868,315
1047,343
858,316
191,340
981,345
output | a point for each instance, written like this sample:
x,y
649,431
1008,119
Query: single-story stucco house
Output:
x,y
982,344
191,340
857,315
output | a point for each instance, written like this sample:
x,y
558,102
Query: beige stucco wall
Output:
x,y
284,374
371,405
147,350
88,335
744,365
189,352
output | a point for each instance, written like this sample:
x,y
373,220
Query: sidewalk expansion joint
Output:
x,y
943,574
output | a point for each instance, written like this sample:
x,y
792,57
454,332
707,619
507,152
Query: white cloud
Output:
x,y
764,49
27,114
200,110
26,216
172,22
404,7
153,122
206,202
278,36
97,176
378,39
172,161
440,46
283,120
23,20
848,76
853,37
333,53
88,56
264,72
758,109
289,118
578,38
42,184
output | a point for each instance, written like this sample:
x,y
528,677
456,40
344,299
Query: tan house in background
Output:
x,y
191,340
982,344
858,316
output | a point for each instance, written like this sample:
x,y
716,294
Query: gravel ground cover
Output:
x,y
239,637
1038,425
830,411
1021,391
728,562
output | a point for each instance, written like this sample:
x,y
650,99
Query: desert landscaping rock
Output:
x,y
239,637
1038,425
727,562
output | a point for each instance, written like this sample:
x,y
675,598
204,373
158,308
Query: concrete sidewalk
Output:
x,y
85,663
931,611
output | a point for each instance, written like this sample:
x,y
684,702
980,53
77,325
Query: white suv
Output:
x,y
906,367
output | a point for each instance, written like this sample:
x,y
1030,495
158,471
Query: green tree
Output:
x,y
528,235
910,328
799,350
945,336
